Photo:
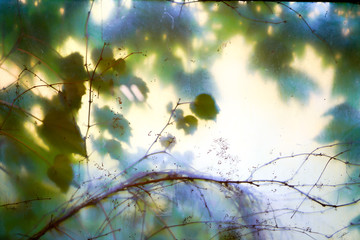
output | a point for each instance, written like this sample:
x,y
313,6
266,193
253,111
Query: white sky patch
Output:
x,y
102,10
8,73
30,127
180,53
38,112
254,118
277,10
146,122
322,7
70,46
127,3
319,9
201,15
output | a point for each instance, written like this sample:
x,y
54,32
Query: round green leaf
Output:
x,y
204,107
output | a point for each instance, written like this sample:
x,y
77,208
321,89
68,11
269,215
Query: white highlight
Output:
x,y
102,10
137,92
125,90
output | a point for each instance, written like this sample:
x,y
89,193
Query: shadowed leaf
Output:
x,y
189,124
62,132
61,172
119,65
114,123
72,68
113,147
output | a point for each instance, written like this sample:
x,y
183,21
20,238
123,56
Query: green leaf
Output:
x,y
204,107
189,124
61,131
61,172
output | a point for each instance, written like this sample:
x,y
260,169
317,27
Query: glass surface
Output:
x,y
179,120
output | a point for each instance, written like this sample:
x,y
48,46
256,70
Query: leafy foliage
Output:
x,y
58,181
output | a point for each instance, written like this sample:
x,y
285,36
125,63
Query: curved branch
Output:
x,y
142,179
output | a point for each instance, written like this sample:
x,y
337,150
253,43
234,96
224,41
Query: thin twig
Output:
x,y
251,19
107,220
311,29
322,172
24,202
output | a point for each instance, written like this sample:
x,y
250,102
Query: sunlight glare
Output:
x,y
37,111
43,91
200,14
277,10
30,127
180,53
247,99
70,46
102,10
127,3
8,74
62,11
